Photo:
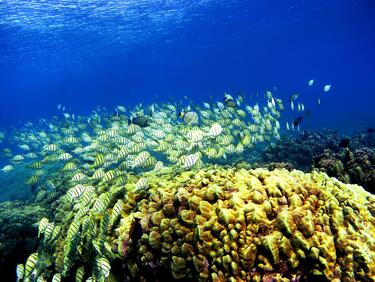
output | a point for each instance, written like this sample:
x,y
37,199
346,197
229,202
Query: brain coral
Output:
x,y
218,224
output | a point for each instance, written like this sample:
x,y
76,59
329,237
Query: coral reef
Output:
x,y
364,138
213,224
18,234
350,167
300,150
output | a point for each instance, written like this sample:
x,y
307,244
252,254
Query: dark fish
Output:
x,y
370,130
344,143
136,231
298,120
229,101
142,121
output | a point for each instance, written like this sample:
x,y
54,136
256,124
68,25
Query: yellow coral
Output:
x,y
232,224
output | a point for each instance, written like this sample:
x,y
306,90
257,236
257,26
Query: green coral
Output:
x,y
217,224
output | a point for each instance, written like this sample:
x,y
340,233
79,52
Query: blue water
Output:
x,y
83,54
88,53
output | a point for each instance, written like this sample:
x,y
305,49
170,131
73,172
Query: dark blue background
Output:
x,y
212,47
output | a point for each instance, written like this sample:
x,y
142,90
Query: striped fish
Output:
x,y
56,277
55,232
141,158
40,195
34,179
163,146
103,267
65,157
73,229
78,177
141,184
215,130
116,210
101,203
104,223
71,140
86,198
69,166
81,212
158,166
239,148
190,161
98,174
76,191
121,180
7,168
190,117
30,265
230,149
31,155
17,158
80,273
98,246
49,230
195,135
109,176
123,153
36,165
241,113
24,147
50,147
225,139
149,162
42,225
87,225
68,257
20,271
133,128
99,160
246,140
39,172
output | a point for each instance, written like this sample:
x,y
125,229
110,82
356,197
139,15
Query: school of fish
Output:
x,y
83,153
106,145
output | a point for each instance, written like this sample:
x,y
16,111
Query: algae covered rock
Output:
x,y
217,224
18,233
357,167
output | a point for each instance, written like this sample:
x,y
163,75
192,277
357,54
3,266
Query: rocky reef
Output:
x,y
212,224
364,138
356,166
18,233
299,150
